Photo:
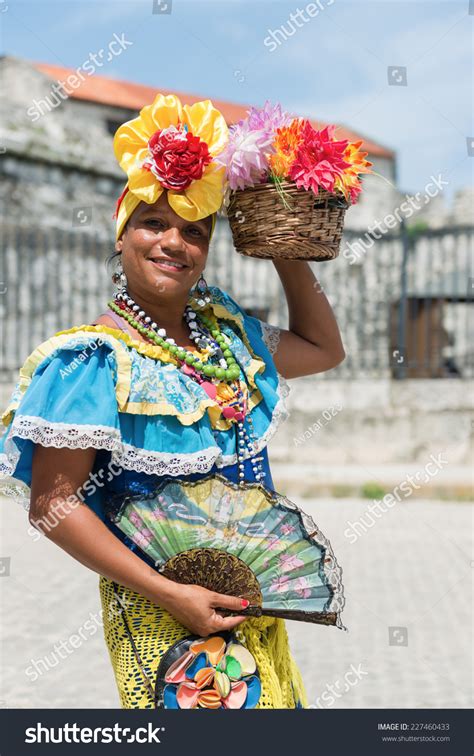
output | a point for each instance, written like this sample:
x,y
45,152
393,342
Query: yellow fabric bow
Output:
x,y
203,196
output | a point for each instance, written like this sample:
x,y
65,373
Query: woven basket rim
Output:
x,y
286,184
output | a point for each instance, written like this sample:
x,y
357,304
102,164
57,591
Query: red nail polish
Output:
x,y
245,603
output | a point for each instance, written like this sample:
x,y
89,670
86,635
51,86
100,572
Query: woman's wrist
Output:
x,y
160,590
294,273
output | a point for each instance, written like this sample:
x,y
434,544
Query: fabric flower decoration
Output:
x,y
173,147
212,675
269,145
349,182
285,145
269,118
250,145
246,155
319,159
176,157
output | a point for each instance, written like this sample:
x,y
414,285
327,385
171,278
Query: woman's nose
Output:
x,y
172,238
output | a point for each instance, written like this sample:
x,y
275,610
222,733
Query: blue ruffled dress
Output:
x,y
96,386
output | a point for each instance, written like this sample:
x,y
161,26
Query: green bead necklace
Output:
x,y
229,374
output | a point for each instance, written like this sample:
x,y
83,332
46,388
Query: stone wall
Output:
x,y
377,422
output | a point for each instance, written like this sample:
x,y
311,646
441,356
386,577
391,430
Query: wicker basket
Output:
x,y
263,226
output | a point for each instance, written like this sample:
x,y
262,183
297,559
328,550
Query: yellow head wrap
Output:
x,y
173,147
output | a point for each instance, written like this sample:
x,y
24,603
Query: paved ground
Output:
x,y
411,571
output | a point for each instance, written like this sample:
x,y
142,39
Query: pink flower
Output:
x,y
143,537
319,159
157,514
302,587
246,155
290,562
279,585
136,519
269,118
287,529
273,543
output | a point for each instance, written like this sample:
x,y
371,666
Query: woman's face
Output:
x,y
163,253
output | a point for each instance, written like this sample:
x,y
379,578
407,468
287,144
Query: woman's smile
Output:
x,y
168,265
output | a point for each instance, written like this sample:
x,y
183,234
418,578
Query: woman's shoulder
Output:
x,y
257,331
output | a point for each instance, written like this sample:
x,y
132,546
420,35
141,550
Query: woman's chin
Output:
x,y
167,284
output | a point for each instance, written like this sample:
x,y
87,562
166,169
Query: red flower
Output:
x,y
319,159
176,157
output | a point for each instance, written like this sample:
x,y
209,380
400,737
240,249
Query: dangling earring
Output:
x,y
201,293
119,278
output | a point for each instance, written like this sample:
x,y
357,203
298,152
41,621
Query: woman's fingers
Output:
x,y
229,602
227,623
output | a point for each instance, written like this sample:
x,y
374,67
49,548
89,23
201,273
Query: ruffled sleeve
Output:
x,y
88,390
66,396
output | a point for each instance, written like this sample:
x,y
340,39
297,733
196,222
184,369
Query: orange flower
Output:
x,y
349,182
285,145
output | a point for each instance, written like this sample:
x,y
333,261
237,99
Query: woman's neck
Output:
x,y
168,315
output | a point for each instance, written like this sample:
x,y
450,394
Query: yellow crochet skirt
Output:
x,y
154,630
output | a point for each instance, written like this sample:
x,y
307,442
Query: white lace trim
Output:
x,y
332,570
166,463
271,336
60,435
64,435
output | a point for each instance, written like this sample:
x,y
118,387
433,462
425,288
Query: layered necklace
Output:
x,y
220,366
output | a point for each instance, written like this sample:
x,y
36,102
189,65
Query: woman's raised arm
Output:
x,y
312,344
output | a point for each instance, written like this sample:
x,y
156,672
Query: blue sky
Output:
x,y
334,67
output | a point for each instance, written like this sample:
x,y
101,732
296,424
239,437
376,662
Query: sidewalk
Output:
x,y
407,585
308,480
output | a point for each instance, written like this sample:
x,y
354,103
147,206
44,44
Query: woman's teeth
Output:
x,y
175,265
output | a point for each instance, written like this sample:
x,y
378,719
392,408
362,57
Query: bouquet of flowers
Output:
x,y
289,185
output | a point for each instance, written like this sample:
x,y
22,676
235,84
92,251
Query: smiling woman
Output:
x,y
175,380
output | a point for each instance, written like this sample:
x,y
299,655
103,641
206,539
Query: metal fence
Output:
x,y
403,302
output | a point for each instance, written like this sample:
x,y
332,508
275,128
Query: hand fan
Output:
x,y
242,540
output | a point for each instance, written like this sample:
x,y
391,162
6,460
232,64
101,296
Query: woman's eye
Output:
x,y
194,231
154,223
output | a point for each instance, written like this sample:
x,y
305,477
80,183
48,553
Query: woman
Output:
x,y
154,387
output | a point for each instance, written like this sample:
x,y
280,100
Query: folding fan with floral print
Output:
x,y
242,540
